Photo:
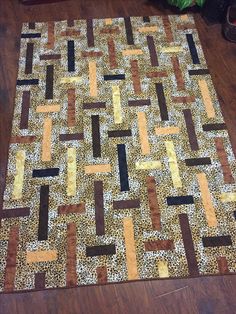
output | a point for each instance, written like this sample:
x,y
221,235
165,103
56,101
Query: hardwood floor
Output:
x,y
201,295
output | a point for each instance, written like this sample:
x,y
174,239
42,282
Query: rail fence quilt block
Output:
x,y
120,165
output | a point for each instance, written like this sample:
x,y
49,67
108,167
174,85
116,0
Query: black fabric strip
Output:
x,y
27,82
31,35
146,18
49,82
198,161
214,127
180,200
199,72
101,250
71,55
43,213
49,172
216,241
129,31
114,77
124,178
192,48
119,133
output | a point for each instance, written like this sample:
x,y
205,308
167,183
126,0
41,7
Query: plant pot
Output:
x,y
229,28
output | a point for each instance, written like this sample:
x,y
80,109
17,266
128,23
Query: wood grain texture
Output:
x,y
200,295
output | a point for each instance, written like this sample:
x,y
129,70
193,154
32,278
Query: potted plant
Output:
x,y
183,4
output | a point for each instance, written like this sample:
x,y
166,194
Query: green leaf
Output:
x,y
184,4
200,2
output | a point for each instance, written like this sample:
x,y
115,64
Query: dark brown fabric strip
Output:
x,y
71,32
178,73
109,31
112,53
71,275
190,129
39,280
90,36
101,274
96,136
50,56
25,110
140,102
71,209
157,74
152,51
186,26
158,245
222,265
126,204
29,58
135,76
162,102
99,207
23,139
94,105
188,245
153,203
70,23
167,27
228,177
71,107
92,54
71,137
10,270
15,212
183,99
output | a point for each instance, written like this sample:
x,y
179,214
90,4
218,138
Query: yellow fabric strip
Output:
x,y
97,168
93,78
130,249
46,143
147,165
184,17
143,133
116,104
132,52
228,197
206,200
206,98
108,21
163,269
172,49
48,108
73,79
173,164
147,29
71,171
41,256
167,130
19,176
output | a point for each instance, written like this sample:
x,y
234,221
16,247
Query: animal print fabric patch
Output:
x,y
120,166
